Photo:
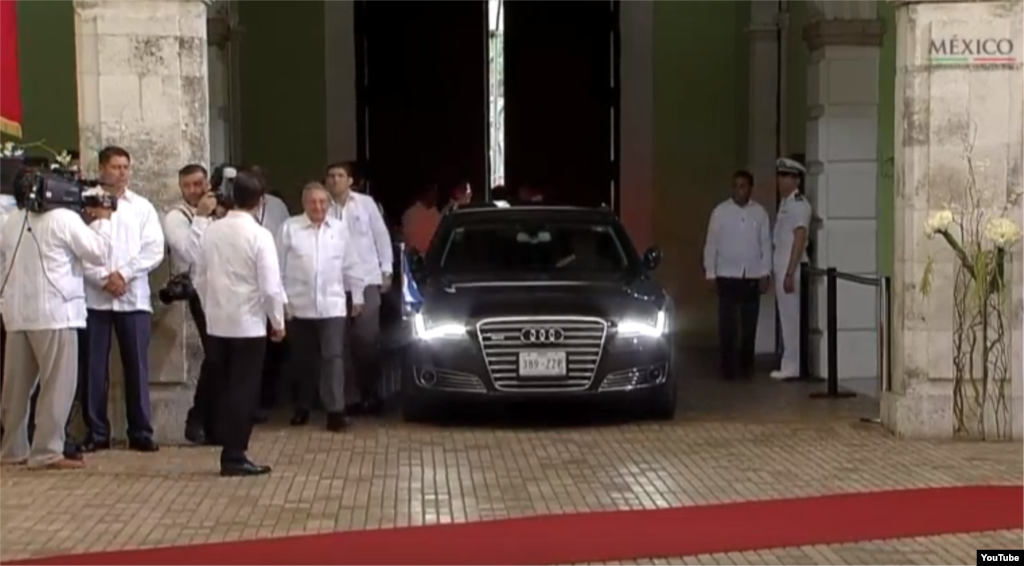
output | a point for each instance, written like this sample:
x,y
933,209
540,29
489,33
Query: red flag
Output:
x,y
10,81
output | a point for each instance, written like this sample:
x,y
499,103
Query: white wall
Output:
x,y
842,154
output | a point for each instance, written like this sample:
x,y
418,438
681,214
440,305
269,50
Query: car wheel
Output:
x,y
662,406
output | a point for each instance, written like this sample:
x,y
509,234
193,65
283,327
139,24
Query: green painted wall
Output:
x,y
886,141
283,92
701,60
49,96
798,57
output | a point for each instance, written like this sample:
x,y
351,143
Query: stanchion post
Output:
x,y
805,321
832,339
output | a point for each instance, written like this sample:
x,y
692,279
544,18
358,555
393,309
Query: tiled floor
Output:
x,y
730,442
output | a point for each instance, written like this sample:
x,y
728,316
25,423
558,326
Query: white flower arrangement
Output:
x,y
938,222
1003,232
11,150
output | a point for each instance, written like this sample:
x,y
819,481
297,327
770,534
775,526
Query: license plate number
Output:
x,y
542,364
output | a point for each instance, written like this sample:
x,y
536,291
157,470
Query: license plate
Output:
x,y
542,364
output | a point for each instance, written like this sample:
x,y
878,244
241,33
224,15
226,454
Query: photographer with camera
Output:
x,y
238,280
45,245
184,225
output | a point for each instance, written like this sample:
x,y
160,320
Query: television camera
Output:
x,y
223,179
43,191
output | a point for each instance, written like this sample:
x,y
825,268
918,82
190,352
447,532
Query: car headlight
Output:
x,y
629,327
432,330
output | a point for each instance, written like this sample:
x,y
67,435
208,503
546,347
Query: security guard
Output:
x,y
790,242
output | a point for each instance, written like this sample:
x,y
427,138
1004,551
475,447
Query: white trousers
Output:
x,y
789,319
49,357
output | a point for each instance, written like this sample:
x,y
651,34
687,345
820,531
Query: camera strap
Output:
x,y
190,216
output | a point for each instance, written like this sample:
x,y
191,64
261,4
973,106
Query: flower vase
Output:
x,y
982,326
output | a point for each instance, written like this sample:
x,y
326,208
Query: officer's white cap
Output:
x,y
787,165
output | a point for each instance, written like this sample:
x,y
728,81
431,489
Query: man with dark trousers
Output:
x,y
238,279
119,304
193,214
737,263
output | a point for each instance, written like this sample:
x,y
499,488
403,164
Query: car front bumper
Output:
x,y
459,368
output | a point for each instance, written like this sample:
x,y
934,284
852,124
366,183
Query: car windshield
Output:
x,y
550,249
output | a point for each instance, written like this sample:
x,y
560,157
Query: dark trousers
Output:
x,y
132,330
739,302
318,362
363,337
202,415
236,368
273,361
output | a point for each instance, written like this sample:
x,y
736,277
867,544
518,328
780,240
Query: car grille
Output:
x,y
581,338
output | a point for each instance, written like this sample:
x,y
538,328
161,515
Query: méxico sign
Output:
x,y
957,50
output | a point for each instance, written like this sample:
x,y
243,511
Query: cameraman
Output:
x,y
42,256
238,280
183,227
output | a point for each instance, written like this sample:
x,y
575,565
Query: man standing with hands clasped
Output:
x,y
790,239
737,262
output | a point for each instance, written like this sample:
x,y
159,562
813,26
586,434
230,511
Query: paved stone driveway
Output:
x,y
731,442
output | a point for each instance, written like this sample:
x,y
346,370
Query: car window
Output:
x,y
544,247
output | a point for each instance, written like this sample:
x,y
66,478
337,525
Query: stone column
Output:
x,y
340,79
763,144
844,42
958,84
142,84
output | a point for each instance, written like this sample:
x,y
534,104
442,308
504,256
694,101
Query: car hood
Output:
x,y
606,300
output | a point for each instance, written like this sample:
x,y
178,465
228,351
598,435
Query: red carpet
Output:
x,y
620,535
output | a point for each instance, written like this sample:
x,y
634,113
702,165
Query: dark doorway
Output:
x,y
421,97
561,99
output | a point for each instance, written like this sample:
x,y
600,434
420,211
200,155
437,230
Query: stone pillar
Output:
x,y
142,84
842,160
340,79
762,135
958,84
636,105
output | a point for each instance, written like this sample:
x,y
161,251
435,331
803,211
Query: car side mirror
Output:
x,y
652,258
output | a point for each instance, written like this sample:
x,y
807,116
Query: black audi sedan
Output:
x,y
537,302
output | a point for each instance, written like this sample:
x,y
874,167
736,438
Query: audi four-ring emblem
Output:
x,y
542,335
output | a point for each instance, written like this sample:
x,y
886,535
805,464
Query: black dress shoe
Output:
x,y
72,451
337,422
300,418
261,416
195,435
90,446
238,469
143,445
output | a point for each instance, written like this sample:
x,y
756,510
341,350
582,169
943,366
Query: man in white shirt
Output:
x,y
238,280
370,241
318,270
118,296
790,241
737,262
45,305
7,207
182,224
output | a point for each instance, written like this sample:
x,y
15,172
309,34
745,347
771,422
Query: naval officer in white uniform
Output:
x,y
790,249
